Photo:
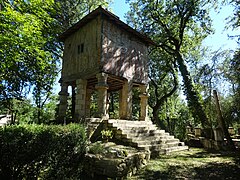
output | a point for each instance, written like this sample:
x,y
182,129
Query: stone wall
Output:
x,y
113,163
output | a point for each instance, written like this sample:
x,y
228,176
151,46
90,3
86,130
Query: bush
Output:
x,y
41,151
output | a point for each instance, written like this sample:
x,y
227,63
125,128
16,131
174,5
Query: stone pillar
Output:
x,y
63,94
143,102
107,105
218,134
197,131
88,102
80,98
125,101
102,88
73,101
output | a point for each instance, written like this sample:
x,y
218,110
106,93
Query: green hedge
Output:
x,y
41,151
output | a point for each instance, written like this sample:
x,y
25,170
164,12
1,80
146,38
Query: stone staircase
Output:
x,y
143,135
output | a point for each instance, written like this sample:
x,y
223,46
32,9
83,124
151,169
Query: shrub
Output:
x,y
41,151
96,148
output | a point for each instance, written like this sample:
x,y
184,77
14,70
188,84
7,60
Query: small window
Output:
x,y
80,48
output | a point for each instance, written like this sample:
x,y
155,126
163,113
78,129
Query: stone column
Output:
x,y
63,95
218,134
102,88
73,101
107,105
88,102
143,102
125,101
80,98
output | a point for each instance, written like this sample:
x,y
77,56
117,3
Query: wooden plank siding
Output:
x,y
122,54
102,43
82,51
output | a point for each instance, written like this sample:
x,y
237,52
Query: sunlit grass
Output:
x,y
192,164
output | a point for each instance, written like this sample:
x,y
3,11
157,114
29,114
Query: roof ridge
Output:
x,y
115,19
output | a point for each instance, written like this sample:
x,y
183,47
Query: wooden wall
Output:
x,y
82,51
122,54
107,48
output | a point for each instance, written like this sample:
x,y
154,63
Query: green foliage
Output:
x,y
96,148
27,60
107,134
30,51
163,84
178,27
235,19
24,111
39,151
71,11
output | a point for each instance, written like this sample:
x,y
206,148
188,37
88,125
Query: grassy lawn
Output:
x,y
193,164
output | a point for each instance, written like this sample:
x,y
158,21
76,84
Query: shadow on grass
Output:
x,y
210,171
193,164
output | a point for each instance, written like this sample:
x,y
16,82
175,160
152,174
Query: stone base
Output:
x,y
115,161
211,144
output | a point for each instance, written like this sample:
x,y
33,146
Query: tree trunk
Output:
x,y
38,114
156,118
161,100
192,95
222,123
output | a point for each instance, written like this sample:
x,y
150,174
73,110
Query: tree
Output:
x,y
178,27
30,51
71,11
163,82
232,73
26,32
235,19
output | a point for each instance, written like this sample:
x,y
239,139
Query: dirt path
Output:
x,y
193,164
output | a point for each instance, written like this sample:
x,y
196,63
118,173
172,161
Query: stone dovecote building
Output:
x,y
103,54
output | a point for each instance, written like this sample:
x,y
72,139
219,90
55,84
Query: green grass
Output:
x,y
193,164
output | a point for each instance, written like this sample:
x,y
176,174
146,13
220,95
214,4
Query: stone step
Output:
x,y
144,132
140,143
151,147
172,140
166,150
158,147
172,144
162,139
133,127
176,148
145,135
133,123
117,121
145,138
